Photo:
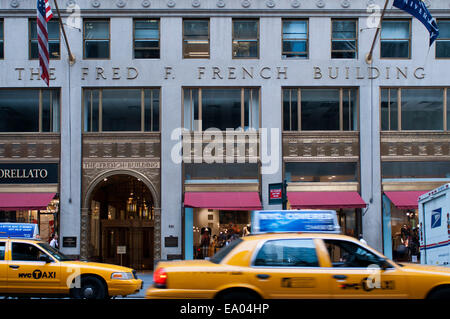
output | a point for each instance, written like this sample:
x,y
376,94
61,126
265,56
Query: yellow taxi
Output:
x,y
298,265
30,267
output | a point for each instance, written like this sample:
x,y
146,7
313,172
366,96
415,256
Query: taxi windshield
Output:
x,y
217,258
54,252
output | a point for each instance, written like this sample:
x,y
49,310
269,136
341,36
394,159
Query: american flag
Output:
x,y
44,14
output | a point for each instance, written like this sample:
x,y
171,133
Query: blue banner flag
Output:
x,y
418,9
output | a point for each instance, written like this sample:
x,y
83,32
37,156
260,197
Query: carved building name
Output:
x,y
218,73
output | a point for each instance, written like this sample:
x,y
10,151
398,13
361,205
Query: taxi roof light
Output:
x,y
295,221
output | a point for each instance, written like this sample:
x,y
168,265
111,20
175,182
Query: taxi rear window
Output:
x,y
222,253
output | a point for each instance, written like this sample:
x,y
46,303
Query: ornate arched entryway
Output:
x,y
121,218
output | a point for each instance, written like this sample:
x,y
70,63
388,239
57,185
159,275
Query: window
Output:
x,y
121,110
443,40
229,108
344,39
146,39
2,37
26,252
396,39
295,39
29,110
322,172
413,109
320,109
350,255
415,169
195,38
245,39
53,40
2,250
287,253
96,39
221,171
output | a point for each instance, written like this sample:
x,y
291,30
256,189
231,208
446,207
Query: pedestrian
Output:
x,y
361,239
54,241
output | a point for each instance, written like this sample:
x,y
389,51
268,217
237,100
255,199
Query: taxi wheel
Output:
x,y
238,294
91,288
440,293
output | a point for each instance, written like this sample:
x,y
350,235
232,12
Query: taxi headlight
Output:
x,y
122,275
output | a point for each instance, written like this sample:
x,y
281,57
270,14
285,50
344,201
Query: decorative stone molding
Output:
x,y
246,3
171,3
295,4
220,4
345,4
121,3
320,4
14,3
146,3
95,3
196,3
270,3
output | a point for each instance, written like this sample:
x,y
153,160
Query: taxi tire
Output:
x,y
440,293
238,294
91,288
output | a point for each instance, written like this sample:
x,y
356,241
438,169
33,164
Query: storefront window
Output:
x,y
29,110
221,171
214,229
121,110
320,109
405,236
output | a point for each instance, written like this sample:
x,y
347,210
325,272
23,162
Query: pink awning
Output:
x,y
223,200
405,199
25,201
325,200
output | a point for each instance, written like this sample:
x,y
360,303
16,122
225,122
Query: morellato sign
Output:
x,y
39,173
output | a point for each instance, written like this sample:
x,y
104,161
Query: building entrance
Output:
x,y
122,222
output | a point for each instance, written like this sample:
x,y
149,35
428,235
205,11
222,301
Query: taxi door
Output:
x,y
27,274
356,272
3,267
288,268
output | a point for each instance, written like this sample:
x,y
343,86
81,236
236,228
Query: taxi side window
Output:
x,y
2,251
25,252
287,253
348,254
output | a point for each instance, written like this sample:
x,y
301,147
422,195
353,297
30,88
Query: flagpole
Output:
x,y
369,55
71,56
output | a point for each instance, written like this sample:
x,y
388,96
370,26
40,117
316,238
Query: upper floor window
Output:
x,y
96,39
396,39
2,36
195,38
344,39
245,38
29,110
53,40
414,109
221,108
146,39
443,41
320,109
295,39
121,110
